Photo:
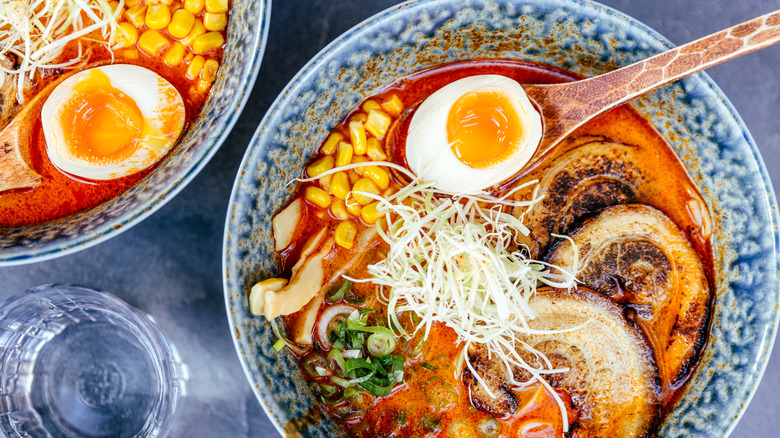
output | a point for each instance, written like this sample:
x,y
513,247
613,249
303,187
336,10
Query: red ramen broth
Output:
x,y
432,400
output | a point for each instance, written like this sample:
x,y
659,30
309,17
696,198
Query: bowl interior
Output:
x,y
247,32
584,37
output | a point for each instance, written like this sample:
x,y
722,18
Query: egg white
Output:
x,y
429,155
149,91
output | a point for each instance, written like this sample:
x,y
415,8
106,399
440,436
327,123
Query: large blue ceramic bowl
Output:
x,y
585,37
247,32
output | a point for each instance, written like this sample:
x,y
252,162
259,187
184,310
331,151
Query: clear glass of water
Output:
x,y
75,362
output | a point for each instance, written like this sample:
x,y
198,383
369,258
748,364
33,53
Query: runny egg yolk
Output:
x,y
483,127
101,123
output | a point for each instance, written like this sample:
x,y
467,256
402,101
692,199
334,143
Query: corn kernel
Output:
x,y
324,182
343,154
136,15
152,42
378,175
353,207
390,191
367,186
194,6
317,196
159,2
339,210
322,165
175,54
130,54
357,135
196,65
196,31
203,86
207,42
339,186
360,159
393,105
113,6
126,35
209,72
375,150
217,6
214,21
377,123
331,142
181,23
158,17
353,176
371,213
360,117
345,233
369,105
131,3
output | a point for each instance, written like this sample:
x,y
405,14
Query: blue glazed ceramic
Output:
x,y
693,114
247,33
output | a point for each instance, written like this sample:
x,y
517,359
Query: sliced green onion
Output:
x,y
430,422
322,371
344,383
381,343
354,299
379,391
336,361
489,428
279,344
311,363
428,366
439,393
339,294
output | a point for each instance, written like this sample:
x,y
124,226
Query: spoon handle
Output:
x,y
566,106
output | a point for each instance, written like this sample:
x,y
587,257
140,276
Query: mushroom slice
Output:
x,y
638,256
285,222
592,175
611,377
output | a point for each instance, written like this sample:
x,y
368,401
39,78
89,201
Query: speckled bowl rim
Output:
x,y
113,228
769,329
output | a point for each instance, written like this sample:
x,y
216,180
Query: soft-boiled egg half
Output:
x,y
473,133
111,121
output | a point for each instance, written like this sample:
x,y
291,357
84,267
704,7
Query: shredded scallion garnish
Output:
x,y
456,260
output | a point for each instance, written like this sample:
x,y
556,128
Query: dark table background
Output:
x,y
170,265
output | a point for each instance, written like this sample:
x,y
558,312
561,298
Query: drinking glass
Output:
x,y
75,362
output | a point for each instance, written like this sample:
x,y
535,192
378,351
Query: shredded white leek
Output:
x,y
37,31
453,261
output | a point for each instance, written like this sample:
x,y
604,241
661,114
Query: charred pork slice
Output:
x,y
611,377
638,256
592,175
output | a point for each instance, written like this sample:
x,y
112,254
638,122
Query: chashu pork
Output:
x,y
612,378
590,175
640,258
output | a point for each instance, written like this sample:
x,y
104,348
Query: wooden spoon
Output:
x,y
15,146
565,107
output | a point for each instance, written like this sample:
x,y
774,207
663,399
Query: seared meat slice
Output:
x,y
638,256
592,175
502,403
611,379
8,103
